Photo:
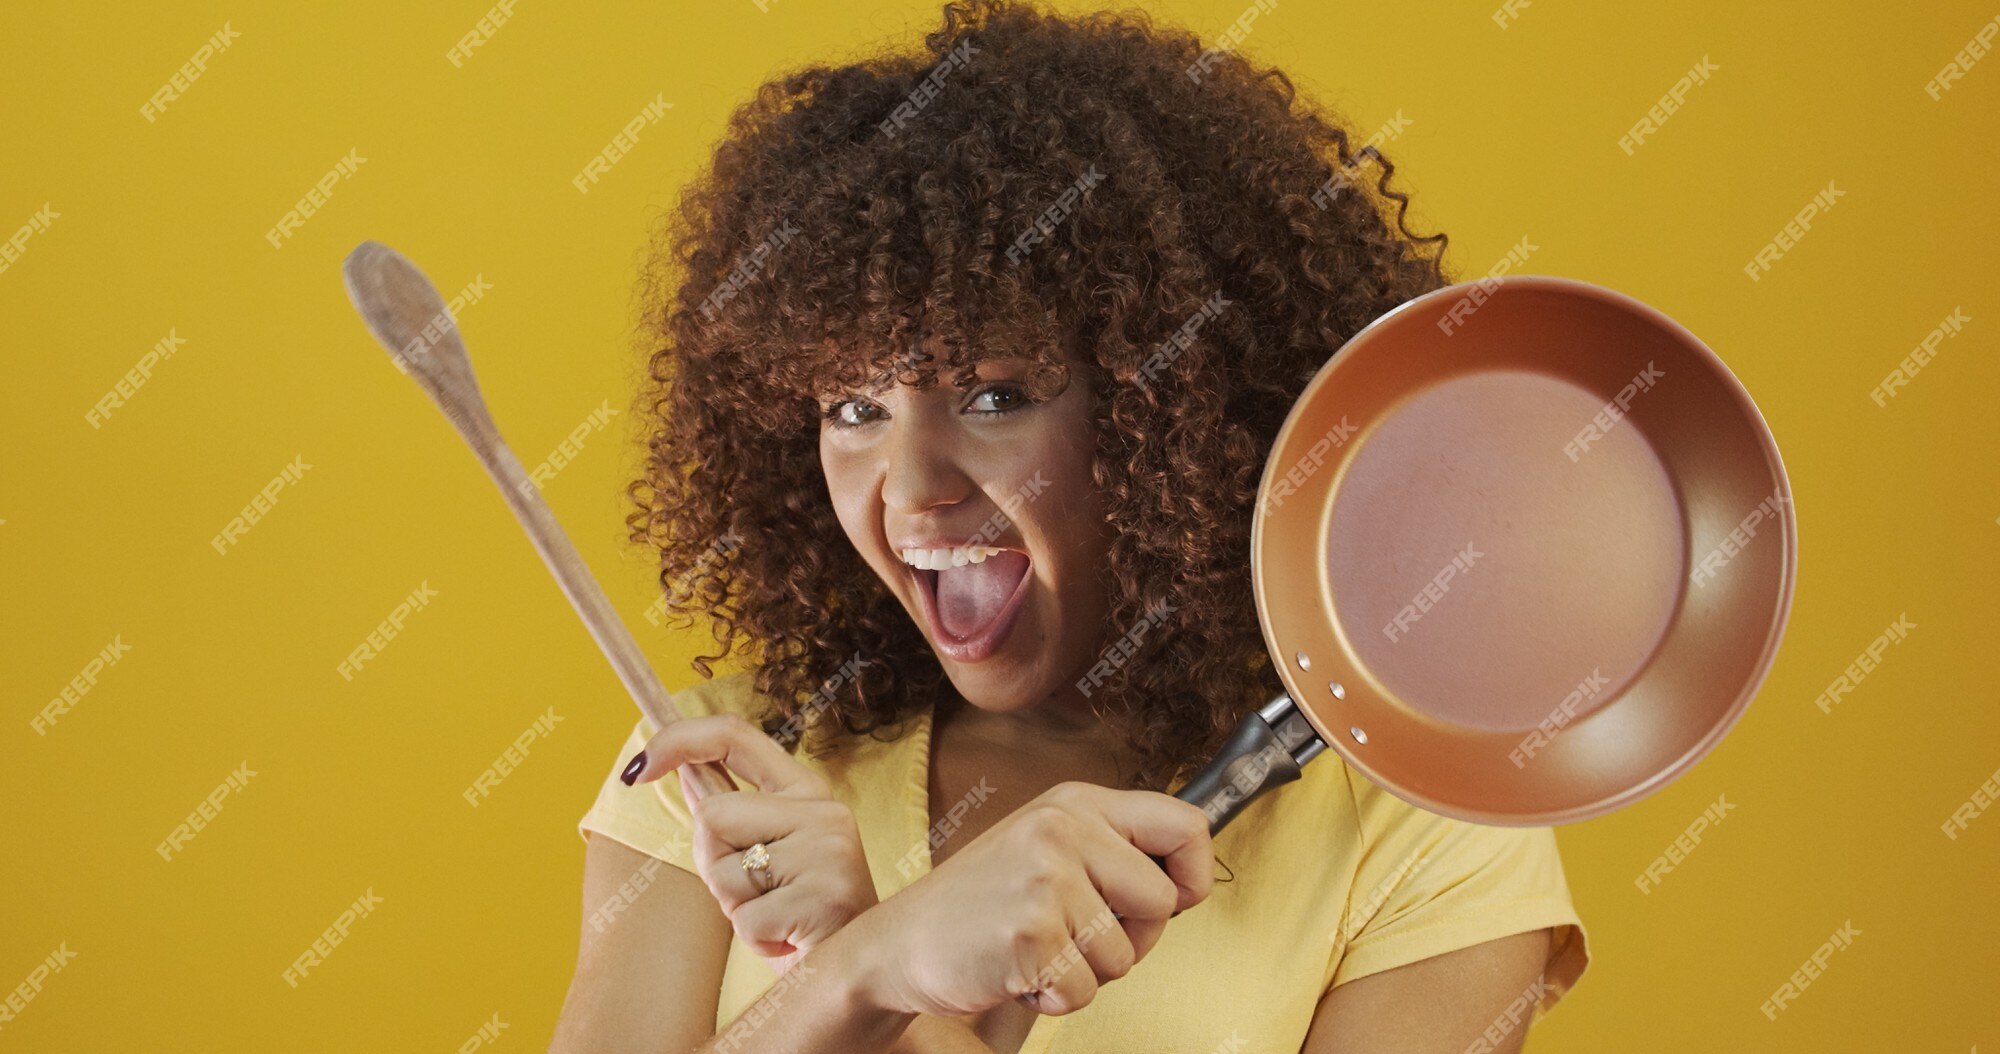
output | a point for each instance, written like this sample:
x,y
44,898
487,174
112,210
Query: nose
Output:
x,y
922,469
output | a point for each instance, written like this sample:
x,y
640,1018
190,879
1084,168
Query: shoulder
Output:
x,y
866,772
737,694
1402,858
732,693
1385,821
1423,884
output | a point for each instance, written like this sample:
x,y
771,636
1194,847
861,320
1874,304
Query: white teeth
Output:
x,y
938,559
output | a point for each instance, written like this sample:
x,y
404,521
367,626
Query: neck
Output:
x,y
1060,725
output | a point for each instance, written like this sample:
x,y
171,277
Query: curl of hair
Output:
x,y
834,237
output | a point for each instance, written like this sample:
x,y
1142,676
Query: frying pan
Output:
x,y
1523,552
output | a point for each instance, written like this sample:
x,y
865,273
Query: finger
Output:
x,y
1164,826
1065,982
728,738
777,923
747,817
1128,880
721,867
1144,934
1057,983
1105,947
1132,885
793,830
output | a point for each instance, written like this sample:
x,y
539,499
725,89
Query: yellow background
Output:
x,y
1513,133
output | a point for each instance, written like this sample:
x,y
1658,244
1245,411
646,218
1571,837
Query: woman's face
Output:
x,y
976,507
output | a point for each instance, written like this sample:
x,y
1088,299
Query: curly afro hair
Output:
x,y
1026,184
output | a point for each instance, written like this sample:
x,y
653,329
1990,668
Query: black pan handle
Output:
x,y
1267,750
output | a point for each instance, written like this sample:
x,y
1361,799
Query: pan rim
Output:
x,y
1758,671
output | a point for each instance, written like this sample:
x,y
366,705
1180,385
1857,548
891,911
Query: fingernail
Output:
x,y
632,768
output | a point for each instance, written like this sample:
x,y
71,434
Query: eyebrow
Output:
x,y
883,380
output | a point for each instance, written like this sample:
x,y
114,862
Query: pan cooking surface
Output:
x,y
1524,550
1481,573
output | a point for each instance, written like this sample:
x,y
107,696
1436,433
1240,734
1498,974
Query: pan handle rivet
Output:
x,y
1338,691
1358,734
1304,663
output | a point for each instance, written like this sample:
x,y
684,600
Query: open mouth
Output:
x,y
971,607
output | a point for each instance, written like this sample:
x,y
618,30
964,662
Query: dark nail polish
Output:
x,y
632,768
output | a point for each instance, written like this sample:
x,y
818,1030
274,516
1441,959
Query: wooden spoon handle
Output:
x,y
403,311
573,575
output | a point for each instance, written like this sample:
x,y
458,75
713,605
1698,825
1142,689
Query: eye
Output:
x,y
852,413
998,399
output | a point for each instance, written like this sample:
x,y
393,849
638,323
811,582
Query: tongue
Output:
x,y
969,597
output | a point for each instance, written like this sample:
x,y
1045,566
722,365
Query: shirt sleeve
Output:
x,y
1428,885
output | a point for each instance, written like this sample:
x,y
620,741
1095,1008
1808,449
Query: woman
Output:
x,y
967,364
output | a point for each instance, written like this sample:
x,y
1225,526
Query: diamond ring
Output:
x,y
757,863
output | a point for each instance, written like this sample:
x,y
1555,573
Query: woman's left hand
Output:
x,y
817,878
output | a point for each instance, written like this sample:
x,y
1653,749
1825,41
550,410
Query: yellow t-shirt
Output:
x,y
1333,879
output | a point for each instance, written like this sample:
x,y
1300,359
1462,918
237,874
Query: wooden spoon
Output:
x,y
403,310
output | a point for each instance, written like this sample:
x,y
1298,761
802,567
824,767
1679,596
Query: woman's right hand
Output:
x,y
1044,907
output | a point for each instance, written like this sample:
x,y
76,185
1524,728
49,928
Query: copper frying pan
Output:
x,y
1523,552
